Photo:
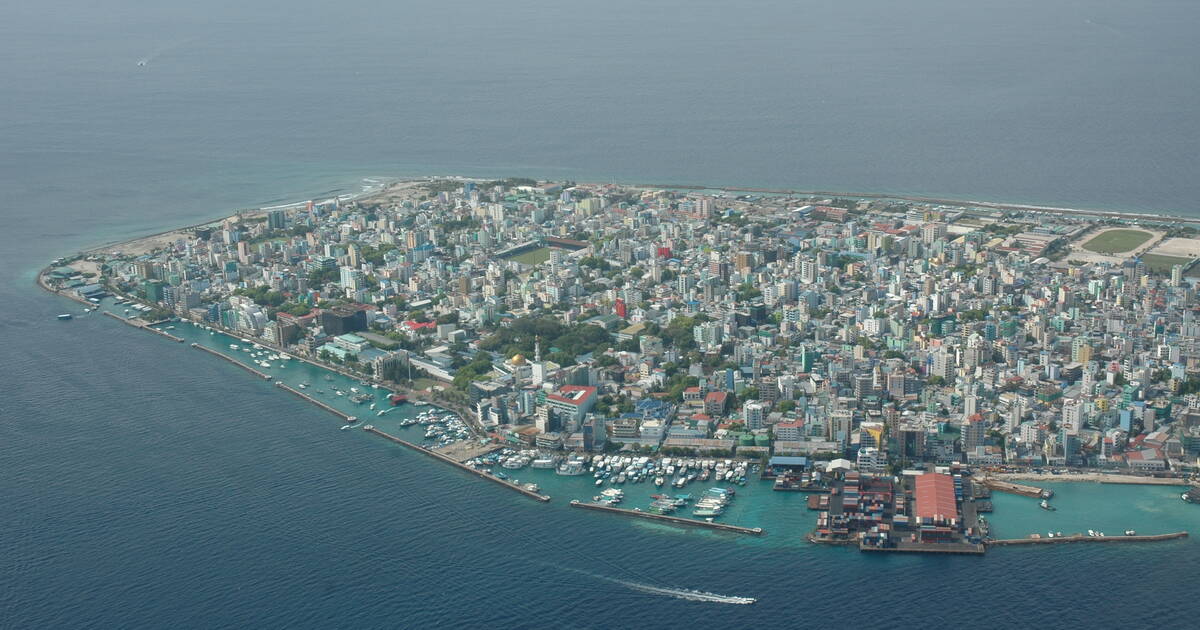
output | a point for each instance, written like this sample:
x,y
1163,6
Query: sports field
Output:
x,y
1117,241
533,256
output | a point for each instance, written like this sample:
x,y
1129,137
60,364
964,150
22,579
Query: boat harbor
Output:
x,y
533,494
1015,488
678,520
144,326
232,360
337,412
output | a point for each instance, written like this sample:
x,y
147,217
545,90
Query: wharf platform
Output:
x,y
144,326
463,451
231,360
678,520
1087,539
337,412
1015,488
478,473
957,548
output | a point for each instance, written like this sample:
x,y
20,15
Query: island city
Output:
x,y
669,352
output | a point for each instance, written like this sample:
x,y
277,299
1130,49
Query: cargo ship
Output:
x,y
396,399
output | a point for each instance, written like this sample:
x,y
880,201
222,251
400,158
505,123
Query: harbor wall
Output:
x,y
678,520
478,473
233,361
1087,539
337,412
144,326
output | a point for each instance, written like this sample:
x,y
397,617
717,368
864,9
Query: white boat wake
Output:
x,y
678,593
688,594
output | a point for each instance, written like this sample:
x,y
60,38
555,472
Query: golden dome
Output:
x,y
518,359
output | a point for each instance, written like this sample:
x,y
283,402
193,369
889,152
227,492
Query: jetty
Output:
x,y
337,412
478,473
232,360
1016,488
678,520
1084,538
144,326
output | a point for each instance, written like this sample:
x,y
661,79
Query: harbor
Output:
x,y
331,409
677,520
757,507
249,369
144,326
1015,488
440,457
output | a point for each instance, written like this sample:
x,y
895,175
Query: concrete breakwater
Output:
x,y
144,326
233,361
1016,488
478,473
337,412
1086,539
678,520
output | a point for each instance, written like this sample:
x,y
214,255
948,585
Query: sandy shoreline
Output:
x,y
1094,477
387,191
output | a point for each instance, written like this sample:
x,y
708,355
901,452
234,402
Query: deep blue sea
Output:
x,y
143,484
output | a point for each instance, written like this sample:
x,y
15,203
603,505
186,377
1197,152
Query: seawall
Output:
x,y
678,520
478,473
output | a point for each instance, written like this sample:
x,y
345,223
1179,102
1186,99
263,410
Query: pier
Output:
x,y
678,520
1016,488
144,326
231,360
1073,538
960,548
337,412
478,473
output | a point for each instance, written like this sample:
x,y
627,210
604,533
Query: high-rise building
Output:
x,y
276,220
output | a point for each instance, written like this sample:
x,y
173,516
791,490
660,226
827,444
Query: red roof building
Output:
x,y
935,500
573,401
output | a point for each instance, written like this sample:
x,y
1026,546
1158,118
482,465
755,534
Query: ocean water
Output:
x,y
144,484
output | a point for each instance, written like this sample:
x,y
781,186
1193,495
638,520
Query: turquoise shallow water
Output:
x,y
1080,506
145,484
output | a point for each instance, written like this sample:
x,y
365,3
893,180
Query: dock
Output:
x,y
232,360
678,520
463,451
1073,538
337,412
478,473
956,548
142,325
1016,488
